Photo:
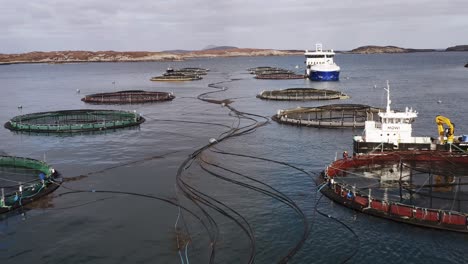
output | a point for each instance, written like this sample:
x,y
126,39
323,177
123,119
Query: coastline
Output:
x,y
61,57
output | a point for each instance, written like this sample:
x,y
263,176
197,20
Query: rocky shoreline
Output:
x,y
54,57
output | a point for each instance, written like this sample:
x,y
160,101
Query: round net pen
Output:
x,y
254,70
301,94
176,77
426,188
70,121
191,71
23,180
267,70
128,97
279,76
333,116
274,73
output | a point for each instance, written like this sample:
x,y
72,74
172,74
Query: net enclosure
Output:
x,y
274,73
333,115
184,74
428,188
67,121
23,180
128,97
301,94
176,77
279,76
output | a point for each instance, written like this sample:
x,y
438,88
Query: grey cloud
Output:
x,y
171,24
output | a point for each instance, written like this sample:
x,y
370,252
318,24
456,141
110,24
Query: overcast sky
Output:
x,y
156,25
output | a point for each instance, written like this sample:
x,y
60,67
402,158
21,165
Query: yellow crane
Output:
x,y
441,120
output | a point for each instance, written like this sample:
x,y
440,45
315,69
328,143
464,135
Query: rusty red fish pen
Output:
x,y
425,188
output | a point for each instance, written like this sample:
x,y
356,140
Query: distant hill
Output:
x,y
385,49
87,56
134,56
213,47
294,50
209,47
458,48
177,51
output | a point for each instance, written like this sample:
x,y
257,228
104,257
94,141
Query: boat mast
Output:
x,y
388,97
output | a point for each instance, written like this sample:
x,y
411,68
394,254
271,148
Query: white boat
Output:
x,y
320,65
394,132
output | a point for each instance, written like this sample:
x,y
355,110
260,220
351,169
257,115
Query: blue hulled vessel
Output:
x,y
320,65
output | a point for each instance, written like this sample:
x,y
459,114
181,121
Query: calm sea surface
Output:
x,y
109,209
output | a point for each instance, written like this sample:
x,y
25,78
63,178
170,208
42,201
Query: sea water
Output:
x,y
115,202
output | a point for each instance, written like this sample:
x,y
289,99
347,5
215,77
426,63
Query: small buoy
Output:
x,y
297,66
439,101
213,140
77,90
375,86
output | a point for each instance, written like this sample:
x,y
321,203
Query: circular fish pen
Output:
x,y
301,94
257,70
189,70
279,76
274,73
176,77
23,180
128,97
425,188
333,116
71,121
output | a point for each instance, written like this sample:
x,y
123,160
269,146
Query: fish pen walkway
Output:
x,y
334,115
302,94
70,121
128,97
23,180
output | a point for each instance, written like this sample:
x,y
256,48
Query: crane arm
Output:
x,y
440,121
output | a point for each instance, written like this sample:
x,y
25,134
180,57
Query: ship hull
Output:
x,y
324,76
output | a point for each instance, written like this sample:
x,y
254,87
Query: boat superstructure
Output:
x,y
320,65
394,132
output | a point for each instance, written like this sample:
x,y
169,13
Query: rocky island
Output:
x,y
385,49
134,56
458,48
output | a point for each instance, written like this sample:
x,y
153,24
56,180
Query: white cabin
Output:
x,y
319,56
394,127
